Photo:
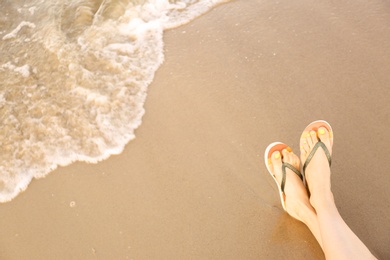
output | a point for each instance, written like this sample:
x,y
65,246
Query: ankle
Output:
x,y
323,200
307,214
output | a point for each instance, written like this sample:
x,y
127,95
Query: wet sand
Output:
x,y
193,184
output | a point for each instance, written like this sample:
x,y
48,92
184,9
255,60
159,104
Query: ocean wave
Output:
x,y
74,76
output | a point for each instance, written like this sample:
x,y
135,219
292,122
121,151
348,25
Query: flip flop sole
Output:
x,y
276,146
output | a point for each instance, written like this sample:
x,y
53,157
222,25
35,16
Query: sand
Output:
x,y
193,184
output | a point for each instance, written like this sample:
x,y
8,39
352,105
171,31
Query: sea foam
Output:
x,y
74,76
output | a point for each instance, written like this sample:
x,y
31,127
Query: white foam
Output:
x,y
17,29
32,10
2,99
24,70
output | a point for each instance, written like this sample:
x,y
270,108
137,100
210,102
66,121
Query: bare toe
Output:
x,y
325,136
276,160
313,137
307,143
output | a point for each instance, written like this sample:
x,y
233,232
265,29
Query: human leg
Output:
x,y
338,240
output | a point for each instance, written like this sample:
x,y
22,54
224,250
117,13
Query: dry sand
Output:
x,y
193,184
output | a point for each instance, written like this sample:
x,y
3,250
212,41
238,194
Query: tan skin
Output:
x,y
319,212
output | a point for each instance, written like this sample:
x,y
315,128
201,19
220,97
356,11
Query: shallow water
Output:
x,y
73,79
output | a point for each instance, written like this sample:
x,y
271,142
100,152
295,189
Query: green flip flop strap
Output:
x,y
316,146
287,165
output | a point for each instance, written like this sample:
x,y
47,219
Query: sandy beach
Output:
x,y
193,184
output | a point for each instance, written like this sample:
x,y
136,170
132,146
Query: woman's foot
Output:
x,y
317,172
295,197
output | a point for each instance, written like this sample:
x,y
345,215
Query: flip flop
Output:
x,y
315,126
278,146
